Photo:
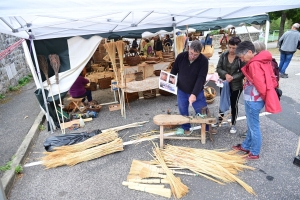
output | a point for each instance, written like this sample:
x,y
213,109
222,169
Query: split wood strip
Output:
x,y
177,187
106,136
111,50
217,166
165,192
120,48
141,168
72,159
180,40
152,180
127,183
101,138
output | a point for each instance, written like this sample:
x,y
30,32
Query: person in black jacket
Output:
x,y
229,68
135,44
191,67
158,48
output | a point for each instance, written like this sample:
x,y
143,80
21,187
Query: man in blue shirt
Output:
x,y
288,46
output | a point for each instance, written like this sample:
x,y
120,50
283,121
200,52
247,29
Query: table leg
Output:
x,y
203,133
161,136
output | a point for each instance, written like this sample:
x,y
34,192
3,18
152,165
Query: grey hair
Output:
x,y
244,47
196,46
259,46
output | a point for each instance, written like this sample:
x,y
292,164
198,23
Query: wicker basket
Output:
x,y
165,93
104,82
157,59
139,76
157,72
95,108
210,94
133,60
149,94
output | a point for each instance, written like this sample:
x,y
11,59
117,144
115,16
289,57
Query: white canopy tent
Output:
x,y
40,20
55,19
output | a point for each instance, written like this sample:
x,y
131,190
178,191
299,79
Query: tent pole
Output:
x,y
174,34
42,87
267,33
248,32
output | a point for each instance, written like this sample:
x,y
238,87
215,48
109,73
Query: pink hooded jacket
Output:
x,y
260,73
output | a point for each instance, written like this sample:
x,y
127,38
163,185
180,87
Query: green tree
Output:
x,y
292,15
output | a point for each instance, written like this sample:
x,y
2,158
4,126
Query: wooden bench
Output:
x,y
78,104
163,120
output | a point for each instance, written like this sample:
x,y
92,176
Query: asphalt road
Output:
x,y
275,176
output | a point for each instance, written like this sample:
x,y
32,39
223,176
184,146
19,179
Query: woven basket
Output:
x,y
153,59
104,83
133,60
138,76
210,94
96,108
157,72
165,93
149,94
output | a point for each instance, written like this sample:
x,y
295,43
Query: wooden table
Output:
x,y
163,120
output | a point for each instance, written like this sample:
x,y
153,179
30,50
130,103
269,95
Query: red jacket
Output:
x,y
260,73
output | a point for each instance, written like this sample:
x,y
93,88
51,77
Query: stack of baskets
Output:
x,y
210,94
139,76
133,60
149,94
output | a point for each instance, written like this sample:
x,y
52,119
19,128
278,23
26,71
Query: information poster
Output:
x,y
168,82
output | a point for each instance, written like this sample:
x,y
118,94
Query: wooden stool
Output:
x,y
78,103
163,120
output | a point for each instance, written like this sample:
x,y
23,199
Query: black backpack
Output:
x,y
276,72
275,68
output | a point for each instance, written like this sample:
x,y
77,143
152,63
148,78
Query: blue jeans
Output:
x,y
183,105
285,60
254,138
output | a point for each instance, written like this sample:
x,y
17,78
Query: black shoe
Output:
x,y
284,76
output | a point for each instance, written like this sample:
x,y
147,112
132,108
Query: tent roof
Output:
x,y
55,19
218,24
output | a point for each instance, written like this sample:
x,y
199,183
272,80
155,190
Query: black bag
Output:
x,y
298,46
68,139
278,92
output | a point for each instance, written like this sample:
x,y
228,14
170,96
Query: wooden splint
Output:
x,y
163,120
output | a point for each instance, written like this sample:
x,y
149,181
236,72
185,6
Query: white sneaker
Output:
x,y
232,129
215,125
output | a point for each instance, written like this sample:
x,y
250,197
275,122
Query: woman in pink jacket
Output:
x,y
259,91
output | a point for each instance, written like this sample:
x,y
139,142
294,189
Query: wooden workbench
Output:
x,y
163,120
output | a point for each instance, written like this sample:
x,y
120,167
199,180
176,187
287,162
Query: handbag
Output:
x,y
207,50
298,46
278,92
